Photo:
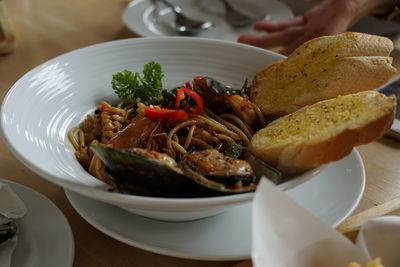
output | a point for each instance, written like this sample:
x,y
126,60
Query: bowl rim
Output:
x,y
115,197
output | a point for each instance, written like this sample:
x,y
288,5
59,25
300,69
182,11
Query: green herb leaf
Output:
x,y
234,150
129,85
223,89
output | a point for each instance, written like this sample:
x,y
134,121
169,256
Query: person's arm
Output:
x,y
327,18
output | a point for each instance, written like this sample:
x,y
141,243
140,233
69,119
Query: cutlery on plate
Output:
x,y
184,24
11,207
236,18
7,231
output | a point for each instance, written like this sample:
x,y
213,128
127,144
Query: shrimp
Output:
x,y
212,91
242,107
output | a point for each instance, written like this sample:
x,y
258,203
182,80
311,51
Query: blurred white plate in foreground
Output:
x,y
44,235
148,18
331,196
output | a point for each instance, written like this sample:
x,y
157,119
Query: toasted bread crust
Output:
x,y
349,44
294,155
321,69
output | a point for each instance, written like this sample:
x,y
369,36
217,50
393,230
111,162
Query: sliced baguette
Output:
x,y
321,69
324,132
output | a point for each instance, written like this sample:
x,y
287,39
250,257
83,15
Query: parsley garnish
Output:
x,y
129,85
234,150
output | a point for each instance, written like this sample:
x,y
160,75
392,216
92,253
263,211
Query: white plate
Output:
x,y
44,235
332,196
44,104
141,16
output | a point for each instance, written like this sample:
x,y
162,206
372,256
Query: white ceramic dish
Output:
x,y
44,235
48,101
227,236
148,19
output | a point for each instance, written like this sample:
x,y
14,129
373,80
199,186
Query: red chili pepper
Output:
x,y
180,95
164,113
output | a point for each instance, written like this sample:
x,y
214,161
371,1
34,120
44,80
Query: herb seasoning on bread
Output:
x,y
321,69
324,132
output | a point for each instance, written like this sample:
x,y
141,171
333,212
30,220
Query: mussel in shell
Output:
x,y
200,174
213,169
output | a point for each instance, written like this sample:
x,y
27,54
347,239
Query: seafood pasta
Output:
x,y
198,131
197,139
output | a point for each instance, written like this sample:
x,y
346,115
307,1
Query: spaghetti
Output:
x,y
208,129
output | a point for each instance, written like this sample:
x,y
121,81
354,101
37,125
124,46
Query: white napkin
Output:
x,y
380,237
11,207
285,235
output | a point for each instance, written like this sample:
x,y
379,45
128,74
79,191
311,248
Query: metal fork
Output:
x,y
184,24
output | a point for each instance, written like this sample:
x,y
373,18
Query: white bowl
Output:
x,y
46,102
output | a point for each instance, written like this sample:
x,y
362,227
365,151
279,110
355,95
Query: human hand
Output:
x,y
327,18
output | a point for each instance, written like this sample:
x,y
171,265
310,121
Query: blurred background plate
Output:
x,y
44,235
148,18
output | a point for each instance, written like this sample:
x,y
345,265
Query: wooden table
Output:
x,y
45,29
